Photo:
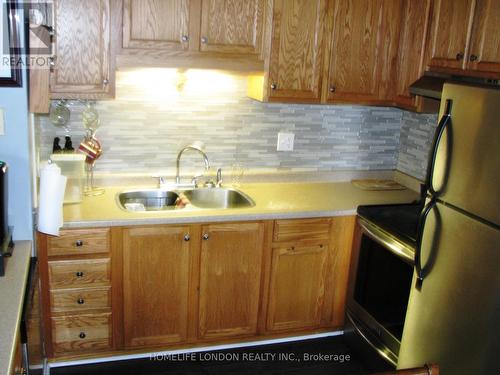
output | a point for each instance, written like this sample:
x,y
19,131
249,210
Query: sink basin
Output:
x,y
148,200
163,200
218,198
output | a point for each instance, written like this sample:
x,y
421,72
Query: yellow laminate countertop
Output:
x,y
272,201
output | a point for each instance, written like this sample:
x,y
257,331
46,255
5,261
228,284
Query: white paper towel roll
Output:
x,y
52,187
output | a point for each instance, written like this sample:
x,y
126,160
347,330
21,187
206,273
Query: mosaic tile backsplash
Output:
x,y
417,131
157,111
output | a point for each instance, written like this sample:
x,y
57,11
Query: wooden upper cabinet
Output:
x,y
354,52
484,52
82,49
231,26
411,53
230,275
156,282
157,24
450,31
298,29
297,287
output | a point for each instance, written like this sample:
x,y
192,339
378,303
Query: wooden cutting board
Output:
x,y
371,184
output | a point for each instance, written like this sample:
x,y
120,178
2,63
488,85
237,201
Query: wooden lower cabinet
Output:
x,y
156,282
297,287
230,276
171,286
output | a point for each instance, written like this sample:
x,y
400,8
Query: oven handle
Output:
x,y
396,247
383,350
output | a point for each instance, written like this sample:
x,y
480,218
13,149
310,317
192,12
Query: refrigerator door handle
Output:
x,y
445,120
418,251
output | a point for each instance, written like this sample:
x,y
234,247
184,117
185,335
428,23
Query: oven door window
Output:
x,y
383,283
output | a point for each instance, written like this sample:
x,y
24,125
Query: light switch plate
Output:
x,y
285,141
2,121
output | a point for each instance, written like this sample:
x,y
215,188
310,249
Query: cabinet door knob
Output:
x,y
332,88
187,237
105,81
204,39
79,243
80,301
82,335
206,236
274,86
185,38
459,56
473,57
79,274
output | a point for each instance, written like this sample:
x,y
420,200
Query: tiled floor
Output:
x,y
302,357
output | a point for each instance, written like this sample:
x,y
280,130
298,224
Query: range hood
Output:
x,y
430,85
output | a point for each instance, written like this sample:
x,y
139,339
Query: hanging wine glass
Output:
x,y
90,117
60,114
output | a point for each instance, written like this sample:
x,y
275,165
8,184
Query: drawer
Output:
x,y
65,300
64,274
89,332
301,229
79,242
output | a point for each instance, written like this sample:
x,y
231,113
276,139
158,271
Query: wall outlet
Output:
x,y
2,121
285,141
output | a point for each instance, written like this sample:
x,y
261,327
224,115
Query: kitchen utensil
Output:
x,y
91,147
374,184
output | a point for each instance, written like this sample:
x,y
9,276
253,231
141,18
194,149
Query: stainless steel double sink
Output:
x,y
163,200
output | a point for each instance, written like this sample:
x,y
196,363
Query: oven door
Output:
x,y
379,287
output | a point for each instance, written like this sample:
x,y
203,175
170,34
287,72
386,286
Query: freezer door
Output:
x,y
467,169
453,320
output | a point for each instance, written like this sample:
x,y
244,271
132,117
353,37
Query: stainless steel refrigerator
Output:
x,y
453,315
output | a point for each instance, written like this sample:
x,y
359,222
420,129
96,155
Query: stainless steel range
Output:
x,y
380,278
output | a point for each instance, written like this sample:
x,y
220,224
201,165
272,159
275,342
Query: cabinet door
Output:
x,y
450,30
297,287
355,51
233,26
410,59
156,263
82,49
231,262
296,50
156,24
484,53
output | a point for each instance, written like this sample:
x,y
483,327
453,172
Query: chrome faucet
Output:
x,y
197,146
219,178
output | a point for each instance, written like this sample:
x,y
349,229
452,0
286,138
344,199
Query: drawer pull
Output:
x,y
80,301
79,243
79,274
82,335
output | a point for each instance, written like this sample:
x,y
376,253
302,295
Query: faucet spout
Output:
x,y
195,147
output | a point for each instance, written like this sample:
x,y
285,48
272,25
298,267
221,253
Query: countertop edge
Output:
x,y
12,297
209,218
